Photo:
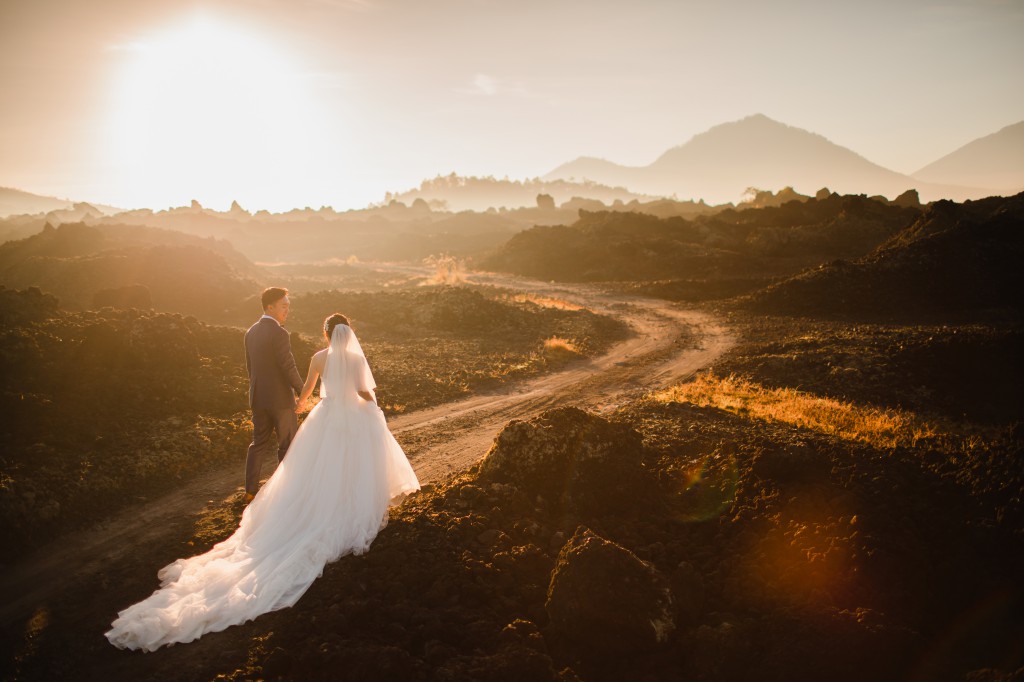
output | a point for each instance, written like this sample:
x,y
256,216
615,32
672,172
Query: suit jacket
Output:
x,y
271,366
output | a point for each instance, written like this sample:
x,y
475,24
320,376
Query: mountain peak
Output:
x,y
723,162
760,152
753,127
753,122
754,119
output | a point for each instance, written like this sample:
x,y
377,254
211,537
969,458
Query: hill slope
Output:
x,y
955,260
18,202
721,163
128,266
15,201
996,161
771,241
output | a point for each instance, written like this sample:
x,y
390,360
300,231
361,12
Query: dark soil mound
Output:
x,y
960,372
604,598
729,245
956,261
103,407
86,266
753,551
609,246
829,560
574,461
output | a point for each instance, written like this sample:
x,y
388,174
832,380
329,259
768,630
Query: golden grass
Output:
x,y
557,344
544,301
447,270
882,428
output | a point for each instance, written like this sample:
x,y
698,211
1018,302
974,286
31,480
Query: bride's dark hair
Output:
x,y
333,321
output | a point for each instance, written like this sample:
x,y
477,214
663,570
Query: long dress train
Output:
x,y
329,497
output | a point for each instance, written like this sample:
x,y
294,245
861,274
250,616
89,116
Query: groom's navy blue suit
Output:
x,y
273,382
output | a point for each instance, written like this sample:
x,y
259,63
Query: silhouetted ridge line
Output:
x,y
720,164
955,261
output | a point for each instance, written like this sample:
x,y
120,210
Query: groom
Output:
x,y
273,381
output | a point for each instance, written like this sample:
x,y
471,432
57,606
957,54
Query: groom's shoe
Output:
x,y
248,498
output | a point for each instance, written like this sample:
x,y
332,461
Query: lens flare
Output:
x,y
707,488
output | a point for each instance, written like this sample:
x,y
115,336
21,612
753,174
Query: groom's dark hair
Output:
x,y
272,295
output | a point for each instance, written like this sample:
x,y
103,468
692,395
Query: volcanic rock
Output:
x,y
908,199
794,462
603,597
576,460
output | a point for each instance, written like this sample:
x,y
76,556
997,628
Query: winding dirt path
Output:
x,y
439,441
448,438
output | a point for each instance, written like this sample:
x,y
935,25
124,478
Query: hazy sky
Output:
x,y
283,103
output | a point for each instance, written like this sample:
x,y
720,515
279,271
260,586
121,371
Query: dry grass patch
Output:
x,y
556,345
543,301
882,428
447,271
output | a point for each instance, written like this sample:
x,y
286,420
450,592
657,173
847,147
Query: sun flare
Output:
x,y
209,111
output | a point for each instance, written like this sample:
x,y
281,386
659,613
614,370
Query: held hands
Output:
x,y
303,405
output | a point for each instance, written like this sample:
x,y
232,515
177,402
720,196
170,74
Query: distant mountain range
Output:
x,y
716,166
18,202
721,163
995,161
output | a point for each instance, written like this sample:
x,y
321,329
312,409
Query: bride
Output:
x,y
328,497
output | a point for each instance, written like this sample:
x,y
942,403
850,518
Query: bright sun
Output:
x,y
211,112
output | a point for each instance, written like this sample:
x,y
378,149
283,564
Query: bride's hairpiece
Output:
x,y
333,321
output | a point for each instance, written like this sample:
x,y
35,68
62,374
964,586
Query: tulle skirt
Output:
x,y
329,497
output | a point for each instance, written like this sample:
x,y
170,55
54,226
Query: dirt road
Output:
x,y
669,344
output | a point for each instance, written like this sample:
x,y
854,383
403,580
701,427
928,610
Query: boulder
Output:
x,y
604,598
908,199
575,460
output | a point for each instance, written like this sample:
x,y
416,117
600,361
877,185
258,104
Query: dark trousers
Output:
x,y
265,422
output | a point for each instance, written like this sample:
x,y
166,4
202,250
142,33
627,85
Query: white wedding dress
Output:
x,y
329,497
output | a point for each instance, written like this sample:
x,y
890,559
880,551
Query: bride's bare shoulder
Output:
x,y
320,359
